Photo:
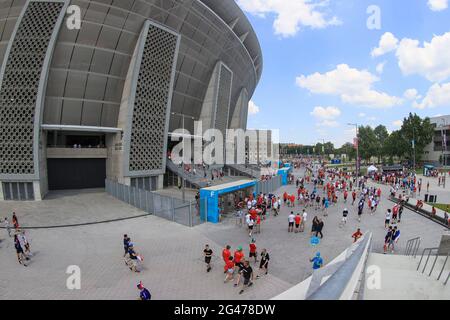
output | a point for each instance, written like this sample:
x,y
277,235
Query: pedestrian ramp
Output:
x,y
399,277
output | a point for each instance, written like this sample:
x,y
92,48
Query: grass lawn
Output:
x,y
441,206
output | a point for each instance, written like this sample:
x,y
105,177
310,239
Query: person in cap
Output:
x,y
144,293
238,258
317,261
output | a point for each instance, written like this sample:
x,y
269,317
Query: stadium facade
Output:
x,y
79,105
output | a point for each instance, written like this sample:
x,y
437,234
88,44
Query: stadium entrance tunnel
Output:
x,y
66,174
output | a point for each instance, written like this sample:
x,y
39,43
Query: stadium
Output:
x,y
81,105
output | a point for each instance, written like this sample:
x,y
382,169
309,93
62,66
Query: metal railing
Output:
x,y
430,251
183,212
442,270
412,246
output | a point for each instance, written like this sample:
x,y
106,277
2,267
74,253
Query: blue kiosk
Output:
x,y
209,197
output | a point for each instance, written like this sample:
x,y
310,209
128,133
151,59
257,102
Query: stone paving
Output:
x,y
174,267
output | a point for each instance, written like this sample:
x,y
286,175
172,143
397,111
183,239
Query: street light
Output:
x,y
444,142
357,150
183,184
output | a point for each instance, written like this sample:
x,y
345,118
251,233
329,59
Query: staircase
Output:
x,y
197,180
248,171
417,275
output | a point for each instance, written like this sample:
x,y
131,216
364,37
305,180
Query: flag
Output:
x,y
355,142
413,143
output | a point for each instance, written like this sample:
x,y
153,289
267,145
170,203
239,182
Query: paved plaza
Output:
x,y
174,267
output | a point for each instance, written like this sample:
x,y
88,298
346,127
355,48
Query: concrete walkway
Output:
x,y
174,267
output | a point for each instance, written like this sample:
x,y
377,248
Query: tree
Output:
x,y
419,130
381,135
348,149
367,142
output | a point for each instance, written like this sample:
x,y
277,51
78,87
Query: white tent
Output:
x,y
372,169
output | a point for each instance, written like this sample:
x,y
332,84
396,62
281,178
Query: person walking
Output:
x,y
247,274
252,251
291,220
400,211
24,243
7,226
358,234
360,209
315,222
344,217
298,219
387,219
144,294
207,252
229,269
317,261
303,222
387,240
264,264
319,228
238,258
394,239
126,243
226,254
15,221
19,250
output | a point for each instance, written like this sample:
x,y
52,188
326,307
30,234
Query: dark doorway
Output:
x,y
66,174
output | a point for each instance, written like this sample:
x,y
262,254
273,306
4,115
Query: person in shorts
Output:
x,y
253,252
264,264
238,258
344,216
229,269
387,219
247,274
291,220
208,254
298,220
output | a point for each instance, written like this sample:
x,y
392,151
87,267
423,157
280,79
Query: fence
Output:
x,y
268,186
183,212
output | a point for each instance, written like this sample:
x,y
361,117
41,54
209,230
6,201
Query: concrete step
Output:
x,y
400,280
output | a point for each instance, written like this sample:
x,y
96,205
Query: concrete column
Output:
x,y
37,190
2,198
160,182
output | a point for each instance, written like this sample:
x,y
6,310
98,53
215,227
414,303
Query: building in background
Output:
x,y
82,105
264,150
438,151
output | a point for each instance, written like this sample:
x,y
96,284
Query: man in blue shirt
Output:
x,y
317,261
144,294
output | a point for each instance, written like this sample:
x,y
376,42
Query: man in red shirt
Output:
x,y
298,220
253,252
358,234
345,196
354,197
226,254
238,258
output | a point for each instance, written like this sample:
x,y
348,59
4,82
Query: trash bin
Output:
x,y
426,197
435,198
431,199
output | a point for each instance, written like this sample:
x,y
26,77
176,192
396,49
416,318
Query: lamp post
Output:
x,y
444,142
183,181
357,150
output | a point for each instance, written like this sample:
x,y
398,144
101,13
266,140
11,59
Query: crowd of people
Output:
x,y
20,239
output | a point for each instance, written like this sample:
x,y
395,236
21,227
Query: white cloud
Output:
x,y
352,85
361,114
438,5
430,60
437,96
252,108
380,67
397,123
388,42
411,94
291,15
326,113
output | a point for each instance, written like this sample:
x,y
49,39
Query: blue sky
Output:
x,y
324,68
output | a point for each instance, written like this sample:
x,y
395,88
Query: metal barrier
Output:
x,y
412,246
268,186
430,251
183,212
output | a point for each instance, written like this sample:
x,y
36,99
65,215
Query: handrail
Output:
x,y
430,250
412,246
442,270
